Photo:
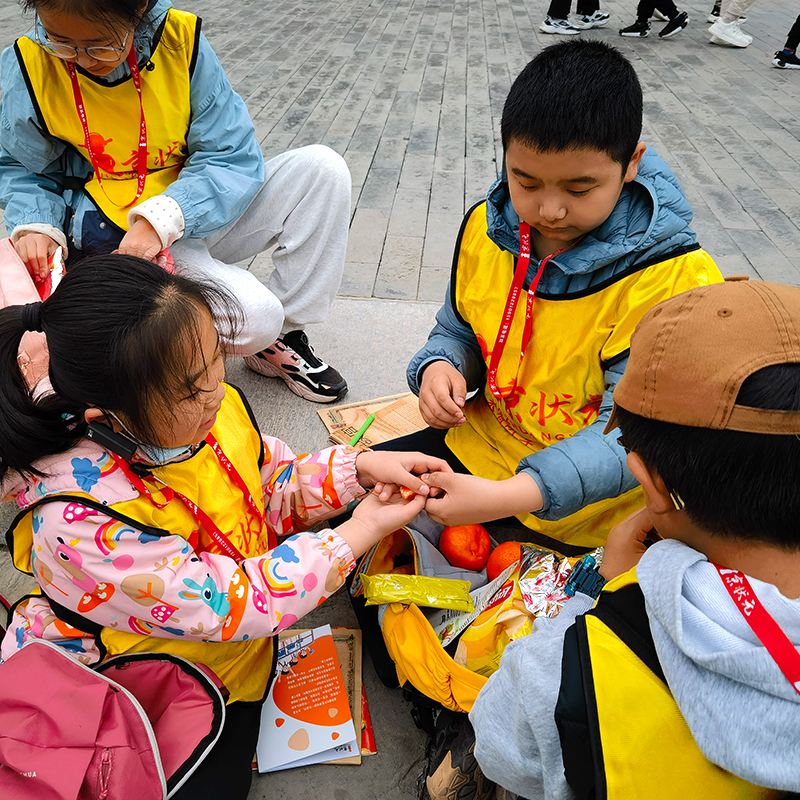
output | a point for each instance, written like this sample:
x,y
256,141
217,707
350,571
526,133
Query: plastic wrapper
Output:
x,y
505,619
435,592
511,612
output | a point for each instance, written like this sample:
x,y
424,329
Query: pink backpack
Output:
x,y
134,726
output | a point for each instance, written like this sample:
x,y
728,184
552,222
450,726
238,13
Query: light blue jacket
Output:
x,y
649,223
222,174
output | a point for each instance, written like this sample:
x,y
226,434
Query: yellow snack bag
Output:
x,y
507,618
419,589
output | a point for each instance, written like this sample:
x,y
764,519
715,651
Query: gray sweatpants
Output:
x,y
304,208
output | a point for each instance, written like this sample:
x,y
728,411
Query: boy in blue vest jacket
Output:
x,y
543,340
702,628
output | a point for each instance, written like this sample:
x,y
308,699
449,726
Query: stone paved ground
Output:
x,y
410,92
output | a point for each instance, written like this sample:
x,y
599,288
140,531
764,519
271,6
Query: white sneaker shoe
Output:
x,y
662,17
562,26
730,33
586,21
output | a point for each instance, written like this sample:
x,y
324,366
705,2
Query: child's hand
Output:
x,y
625,544
458,499
34,249
442,394
141,240
386,471
373,519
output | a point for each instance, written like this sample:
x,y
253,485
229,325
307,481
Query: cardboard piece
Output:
x,y
395,415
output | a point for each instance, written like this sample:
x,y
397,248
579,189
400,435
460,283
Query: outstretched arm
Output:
x,y
585,468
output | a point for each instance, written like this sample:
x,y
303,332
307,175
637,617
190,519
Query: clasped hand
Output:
x,y
35,248
384,510
448,497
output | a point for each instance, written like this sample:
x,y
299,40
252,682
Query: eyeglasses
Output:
x,y
67,51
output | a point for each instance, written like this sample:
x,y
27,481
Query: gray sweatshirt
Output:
x,y
743,713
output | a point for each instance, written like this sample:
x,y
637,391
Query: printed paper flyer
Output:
x,y
306,713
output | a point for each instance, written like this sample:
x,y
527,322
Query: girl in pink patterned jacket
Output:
x,y
140,482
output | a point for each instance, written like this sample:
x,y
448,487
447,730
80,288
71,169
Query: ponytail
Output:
x,y
29,430
123,335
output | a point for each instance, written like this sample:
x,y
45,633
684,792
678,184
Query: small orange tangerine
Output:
x,y
466,546
503,555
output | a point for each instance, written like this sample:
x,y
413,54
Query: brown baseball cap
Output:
x,y
690,355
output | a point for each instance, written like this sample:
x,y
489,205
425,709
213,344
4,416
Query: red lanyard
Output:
x,y
778,644
141,159
208,525
236,478
511,306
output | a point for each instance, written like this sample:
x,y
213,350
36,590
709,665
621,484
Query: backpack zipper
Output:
x,y
103,775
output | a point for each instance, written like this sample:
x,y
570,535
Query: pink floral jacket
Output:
x,y
125,578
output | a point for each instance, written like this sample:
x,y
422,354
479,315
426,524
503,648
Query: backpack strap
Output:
x,y
623,612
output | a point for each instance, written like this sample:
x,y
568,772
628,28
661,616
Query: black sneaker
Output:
x,y
713,15
453,772
675,25
638,29
784,60
293,359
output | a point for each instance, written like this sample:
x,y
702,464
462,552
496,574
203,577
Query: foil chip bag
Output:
x,y
536,589
544,575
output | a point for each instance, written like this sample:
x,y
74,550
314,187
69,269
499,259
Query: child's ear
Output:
x,y
633,164
656,493
98,415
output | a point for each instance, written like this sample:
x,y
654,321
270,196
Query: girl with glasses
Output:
x,y
121,132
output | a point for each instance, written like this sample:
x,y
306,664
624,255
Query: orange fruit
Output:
x,y
503,555
466,546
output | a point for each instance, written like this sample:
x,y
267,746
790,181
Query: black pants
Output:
x,y
559,9
793,38
646,7
429,441
227,772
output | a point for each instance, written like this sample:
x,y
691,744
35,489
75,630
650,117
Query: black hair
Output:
x,y
105,12
123,335
576,94
737,485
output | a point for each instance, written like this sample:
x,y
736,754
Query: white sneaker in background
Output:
x,y
730,33
586,21
562,26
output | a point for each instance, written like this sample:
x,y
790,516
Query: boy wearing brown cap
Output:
x,y
683,680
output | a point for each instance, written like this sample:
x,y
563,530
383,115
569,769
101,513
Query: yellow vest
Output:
x,y
636,728
113,114
245,667
560,382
